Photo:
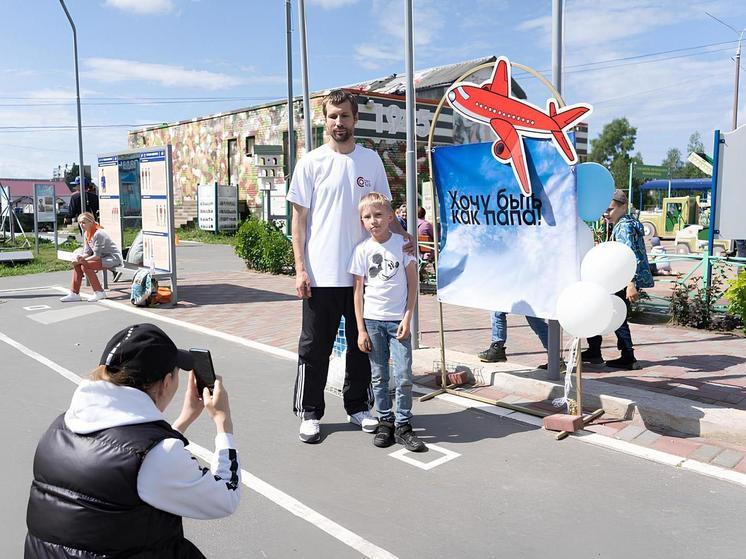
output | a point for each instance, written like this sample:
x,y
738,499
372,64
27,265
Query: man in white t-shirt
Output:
x,y
325,190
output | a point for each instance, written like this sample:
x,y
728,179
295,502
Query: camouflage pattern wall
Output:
x,y
200,149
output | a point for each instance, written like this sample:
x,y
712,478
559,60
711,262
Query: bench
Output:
x,y
16,256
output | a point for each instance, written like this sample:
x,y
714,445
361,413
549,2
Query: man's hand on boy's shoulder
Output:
x,y
363,342
408,247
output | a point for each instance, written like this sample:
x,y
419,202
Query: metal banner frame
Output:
x,y
444,387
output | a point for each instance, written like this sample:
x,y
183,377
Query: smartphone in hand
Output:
x,y
204,372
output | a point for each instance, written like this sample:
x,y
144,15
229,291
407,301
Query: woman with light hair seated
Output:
x,y
99,252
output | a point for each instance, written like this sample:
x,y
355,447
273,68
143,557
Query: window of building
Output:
x,y
249,146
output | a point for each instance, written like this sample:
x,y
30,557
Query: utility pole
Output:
x,y
304,75
290,155
555,335
738,71
81,168
738,64
411,153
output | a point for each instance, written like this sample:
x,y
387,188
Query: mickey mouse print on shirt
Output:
x,y
381,267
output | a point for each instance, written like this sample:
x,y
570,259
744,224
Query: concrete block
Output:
x,y
563,422
728,458
646,438
629,432
705,453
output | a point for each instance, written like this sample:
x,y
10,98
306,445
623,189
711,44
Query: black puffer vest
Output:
x,y
84,501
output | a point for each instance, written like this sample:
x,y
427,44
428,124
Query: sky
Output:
x,y
664,65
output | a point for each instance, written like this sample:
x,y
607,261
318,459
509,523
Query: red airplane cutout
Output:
x,y
511,119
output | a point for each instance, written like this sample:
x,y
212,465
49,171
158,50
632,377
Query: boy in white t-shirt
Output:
x,y
383,310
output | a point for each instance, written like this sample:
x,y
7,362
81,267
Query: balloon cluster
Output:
x,y
589,307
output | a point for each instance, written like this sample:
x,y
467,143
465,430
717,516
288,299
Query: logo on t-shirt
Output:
x,y
382,267
363,182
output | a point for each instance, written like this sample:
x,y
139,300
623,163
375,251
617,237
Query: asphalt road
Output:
x,y
502,488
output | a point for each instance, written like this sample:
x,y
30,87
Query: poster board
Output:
x,y
44,203
731,194
137,191
500,249
217,207
109,209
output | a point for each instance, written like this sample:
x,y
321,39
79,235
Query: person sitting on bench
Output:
x,y
100,252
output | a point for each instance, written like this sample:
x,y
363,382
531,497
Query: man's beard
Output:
x,y
341,135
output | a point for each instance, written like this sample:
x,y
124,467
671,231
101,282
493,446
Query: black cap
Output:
x,y
146,352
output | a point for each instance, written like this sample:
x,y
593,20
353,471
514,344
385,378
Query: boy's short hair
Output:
x,y
374,199
337,97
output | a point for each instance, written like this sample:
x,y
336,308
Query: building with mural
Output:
x,y
221,147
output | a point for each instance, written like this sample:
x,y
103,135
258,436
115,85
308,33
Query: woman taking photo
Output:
x,y
111,477
99,252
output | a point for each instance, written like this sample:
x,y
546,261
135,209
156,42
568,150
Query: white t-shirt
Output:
x,y
383,266
330,185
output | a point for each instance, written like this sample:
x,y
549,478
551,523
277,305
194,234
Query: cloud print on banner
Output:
x,y
501,250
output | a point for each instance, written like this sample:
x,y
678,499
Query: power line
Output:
x,y
138,103
628,60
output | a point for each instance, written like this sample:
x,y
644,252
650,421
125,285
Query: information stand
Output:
x,y
217,207
45,210
144,177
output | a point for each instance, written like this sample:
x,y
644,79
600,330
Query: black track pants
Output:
x,y
321,316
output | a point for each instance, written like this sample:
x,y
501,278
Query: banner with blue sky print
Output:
x,y
501,250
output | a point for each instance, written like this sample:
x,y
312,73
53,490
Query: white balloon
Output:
x,y
618,315
584,309
585,239
611,265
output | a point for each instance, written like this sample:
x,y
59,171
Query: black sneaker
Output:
x,y
563,366
493,354
627,362
384,436
591,356
404,435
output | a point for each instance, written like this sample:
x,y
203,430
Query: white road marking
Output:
x,y
407,457
40,288
611,443
36,308
285,354
289,503
586,437
73,311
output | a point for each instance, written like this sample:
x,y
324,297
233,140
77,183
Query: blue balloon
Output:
x,y
595,189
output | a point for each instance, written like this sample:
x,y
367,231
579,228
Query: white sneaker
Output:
x,y
310,431
71,298
367,421
97,296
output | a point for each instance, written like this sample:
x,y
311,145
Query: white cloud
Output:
x,y
142,7
389,44
332,4
118,70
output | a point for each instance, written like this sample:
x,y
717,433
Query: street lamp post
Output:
x,y
738,69
738,64
81,168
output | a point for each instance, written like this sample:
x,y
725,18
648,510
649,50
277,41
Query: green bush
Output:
x,y
736,297
264,247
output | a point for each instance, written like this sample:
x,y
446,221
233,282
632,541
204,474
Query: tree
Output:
x,y
695,145
673,162
612,149
73,173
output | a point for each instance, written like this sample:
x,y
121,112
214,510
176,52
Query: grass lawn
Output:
x,y
194,234
45,262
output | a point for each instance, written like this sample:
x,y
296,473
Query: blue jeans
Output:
x,y
500,328
383,338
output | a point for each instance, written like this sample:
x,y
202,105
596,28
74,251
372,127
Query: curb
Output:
x,y
654,410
